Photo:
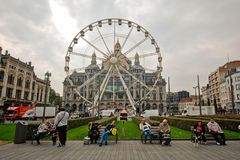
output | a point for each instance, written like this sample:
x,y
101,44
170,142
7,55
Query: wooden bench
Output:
x,y
101,129
208,135
155,132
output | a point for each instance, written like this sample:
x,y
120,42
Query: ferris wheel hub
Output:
x,y
113,60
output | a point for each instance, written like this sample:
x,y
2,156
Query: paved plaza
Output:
x,y
124,150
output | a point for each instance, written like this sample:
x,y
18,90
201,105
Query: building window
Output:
x,y
0,91
33,86
10,79
18,94
26,95
1,76
238,96
19,81
27,84
9,92
237,79
237,86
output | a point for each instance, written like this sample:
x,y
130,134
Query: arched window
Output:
x,y
10,79
19,81
1,76
27,84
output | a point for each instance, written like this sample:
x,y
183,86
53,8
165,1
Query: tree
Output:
x,y
55,98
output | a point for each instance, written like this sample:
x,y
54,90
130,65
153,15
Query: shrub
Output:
x,y
72,123
138,119
105,121
185,123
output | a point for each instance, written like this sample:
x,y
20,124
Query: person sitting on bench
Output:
x,y
107,130
93,132
215,130
145,128
43,129
199,131
164,132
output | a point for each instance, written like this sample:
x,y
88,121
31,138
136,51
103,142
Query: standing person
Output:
x,y
145,128
215,130
199,131
61,122
164,130
107,131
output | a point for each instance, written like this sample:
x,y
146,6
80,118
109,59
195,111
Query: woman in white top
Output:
x,y
145,128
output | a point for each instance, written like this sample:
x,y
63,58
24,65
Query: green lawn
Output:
x,y
177,133
131,130
7,132
128,130
231,134
78,133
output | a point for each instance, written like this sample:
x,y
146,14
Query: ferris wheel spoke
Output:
x,y
153,87
130,98
73,88
86,56
135,46
145,55
105,55
90,80
103,39
135,78
81,96
127,37
114,34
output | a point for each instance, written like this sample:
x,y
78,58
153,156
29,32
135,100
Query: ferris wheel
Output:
x,y
112,44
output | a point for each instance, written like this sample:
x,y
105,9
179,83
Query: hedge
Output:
x,y
186,123
207,117
138,119
72,123
105,121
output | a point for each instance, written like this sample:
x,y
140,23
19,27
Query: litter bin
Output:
x,y
21,132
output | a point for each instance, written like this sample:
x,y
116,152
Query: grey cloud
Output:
x,y
195,36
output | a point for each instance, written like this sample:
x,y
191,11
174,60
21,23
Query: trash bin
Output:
x,y
21,132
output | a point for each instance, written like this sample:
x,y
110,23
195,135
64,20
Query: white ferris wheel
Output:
x,y
112,44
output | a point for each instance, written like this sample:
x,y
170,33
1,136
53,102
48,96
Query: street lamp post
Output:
x,y
98,96
199,96
47,75
195,88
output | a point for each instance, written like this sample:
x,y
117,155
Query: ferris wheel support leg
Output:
x,y
71,83
89,80
98,96
126,89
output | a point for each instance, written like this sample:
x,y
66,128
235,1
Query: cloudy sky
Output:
x,y
195,36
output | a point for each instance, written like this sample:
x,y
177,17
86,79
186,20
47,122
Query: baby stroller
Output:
x,y
167,138
196,138
94,133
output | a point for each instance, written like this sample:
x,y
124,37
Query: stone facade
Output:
x,y
235,76
215,78
18,83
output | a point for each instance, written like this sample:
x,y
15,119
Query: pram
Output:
x,y
94,133
167,138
